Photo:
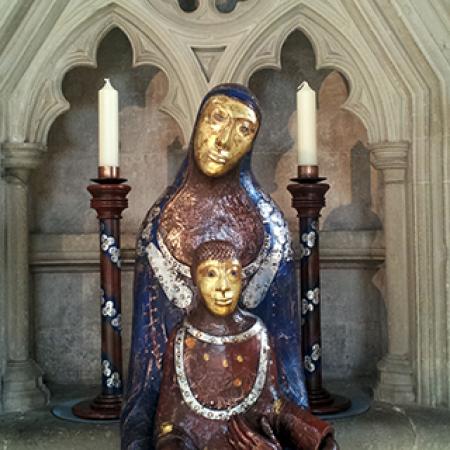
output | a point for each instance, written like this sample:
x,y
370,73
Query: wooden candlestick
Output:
x,y
109,200
308,198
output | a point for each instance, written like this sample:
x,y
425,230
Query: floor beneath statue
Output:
x,y
383,427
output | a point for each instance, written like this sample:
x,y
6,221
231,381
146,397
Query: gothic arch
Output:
x,y
372,97
77,46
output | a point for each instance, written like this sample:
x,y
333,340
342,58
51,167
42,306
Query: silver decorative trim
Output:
x,y
171,281
279,248
222,414
221,340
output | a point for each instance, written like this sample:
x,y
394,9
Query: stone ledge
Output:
x,y
79,252
383,427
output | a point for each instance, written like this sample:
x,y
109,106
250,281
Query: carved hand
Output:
x,y
242,437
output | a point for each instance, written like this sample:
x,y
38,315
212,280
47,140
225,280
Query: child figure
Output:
x,y
219,389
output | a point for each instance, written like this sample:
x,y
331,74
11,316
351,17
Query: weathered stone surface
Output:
x,y
68,325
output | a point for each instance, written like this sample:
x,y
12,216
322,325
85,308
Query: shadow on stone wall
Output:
x,y
276,92
357,215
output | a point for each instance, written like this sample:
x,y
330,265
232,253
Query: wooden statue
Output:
x,y
220,388
214,197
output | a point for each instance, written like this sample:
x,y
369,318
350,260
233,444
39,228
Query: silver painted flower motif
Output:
x,y
313,295
304,251
309,239
108,310
312,299
106,368
309,365
117,321
316,352
108,245
114,381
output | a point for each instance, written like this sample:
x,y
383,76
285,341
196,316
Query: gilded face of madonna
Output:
x,y
219,283
225,133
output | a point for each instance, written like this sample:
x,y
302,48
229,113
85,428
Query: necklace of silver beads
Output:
x,y
183,383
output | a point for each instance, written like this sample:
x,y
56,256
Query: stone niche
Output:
x,y
64,240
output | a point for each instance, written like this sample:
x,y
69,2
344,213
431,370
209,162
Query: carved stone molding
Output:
x,y
391,159
396,382
20,159
23,387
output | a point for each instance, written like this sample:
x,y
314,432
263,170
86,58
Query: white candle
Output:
x,y
108,126
306,125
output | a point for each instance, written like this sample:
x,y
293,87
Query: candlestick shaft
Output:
x,y
109,200
308,198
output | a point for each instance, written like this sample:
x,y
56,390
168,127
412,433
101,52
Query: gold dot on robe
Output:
x,y
237,382
240,358
225,363
166,428
277,406
190,342
206,356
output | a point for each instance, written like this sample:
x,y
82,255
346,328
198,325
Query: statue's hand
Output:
x,y
242,437
329,444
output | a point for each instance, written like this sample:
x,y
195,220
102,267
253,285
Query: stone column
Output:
x,y
23,388
396,383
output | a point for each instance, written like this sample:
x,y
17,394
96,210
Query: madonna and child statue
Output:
x,y
215,355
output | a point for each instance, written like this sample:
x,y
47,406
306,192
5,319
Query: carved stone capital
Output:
x,y
19,159
392,159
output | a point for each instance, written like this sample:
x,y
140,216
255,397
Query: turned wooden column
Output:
x,y
23,387
109,200
308,198
396,383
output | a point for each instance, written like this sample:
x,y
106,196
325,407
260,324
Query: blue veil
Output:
x,y
271,294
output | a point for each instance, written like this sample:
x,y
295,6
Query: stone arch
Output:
x,y
374,101
78,47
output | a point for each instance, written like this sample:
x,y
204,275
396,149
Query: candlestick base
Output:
x,y
103,407
323,402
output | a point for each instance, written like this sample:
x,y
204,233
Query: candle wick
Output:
x,y
107,82
304,84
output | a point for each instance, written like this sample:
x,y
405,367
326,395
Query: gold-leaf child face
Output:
x,y
220,284
225,132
